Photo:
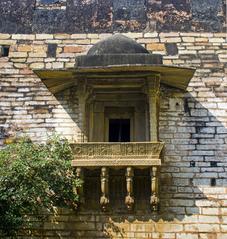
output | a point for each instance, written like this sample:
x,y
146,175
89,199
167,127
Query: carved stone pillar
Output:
x,y
129,199
154,200
104,200
153,84
80,190
82,94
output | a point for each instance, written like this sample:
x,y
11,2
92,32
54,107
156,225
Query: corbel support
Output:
x,y
80,190
104,200
129,199
153,92
154,200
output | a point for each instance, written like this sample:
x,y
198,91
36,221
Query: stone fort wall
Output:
x,y
193,125
95,16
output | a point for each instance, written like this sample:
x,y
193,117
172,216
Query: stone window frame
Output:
x,y
55,4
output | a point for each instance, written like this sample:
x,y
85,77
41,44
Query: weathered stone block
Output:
x,y
187,236
188,39
79,36
18,54
43,36
37,54
23,36
202,228
4,36
37,65
61,36
57,65
25,48
171,40
74,49
169,227
156,47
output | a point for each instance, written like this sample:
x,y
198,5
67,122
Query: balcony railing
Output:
x,y
129,155
107,154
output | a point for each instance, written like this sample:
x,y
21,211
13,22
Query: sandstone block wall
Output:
x,y
193,125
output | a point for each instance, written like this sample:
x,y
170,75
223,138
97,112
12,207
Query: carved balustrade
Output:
x,y
117,155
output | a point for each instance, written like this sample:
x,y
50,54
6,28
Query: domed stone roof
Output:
x,y
117,50
117,56
117,44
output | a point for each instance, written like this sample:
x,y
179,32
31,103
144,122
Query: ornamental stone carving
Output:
x,y
117,154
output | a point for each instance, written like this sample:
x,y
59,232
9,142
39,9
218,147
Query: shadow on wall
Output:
x,y
193,176
193,171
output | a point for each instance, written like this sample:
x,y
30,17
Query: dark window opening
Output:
x,y
119,130
171,49
51,50
5,51
212,182
213,164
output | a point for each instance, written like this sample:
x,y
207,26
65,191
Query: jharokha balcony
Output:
x,y
118,85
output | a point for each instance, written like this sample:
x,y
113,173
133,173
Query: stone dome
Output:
x,y
117,50
117,44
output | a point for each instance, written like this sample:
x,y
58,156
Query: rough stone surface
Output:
x,y
16,16
207,14
78,16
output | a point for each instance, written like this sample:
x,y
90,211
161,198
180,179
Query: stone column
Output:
x,y
104,200
153,91
82,94
129,199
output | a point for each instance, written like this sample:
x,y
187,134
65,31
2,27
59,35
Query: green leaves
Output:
x,y
35,178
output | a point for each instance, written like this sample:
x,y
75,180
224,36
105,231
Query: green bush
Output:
x,y
34,180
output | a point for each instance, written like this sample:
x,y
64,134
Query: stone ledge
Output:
x,y
136,162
